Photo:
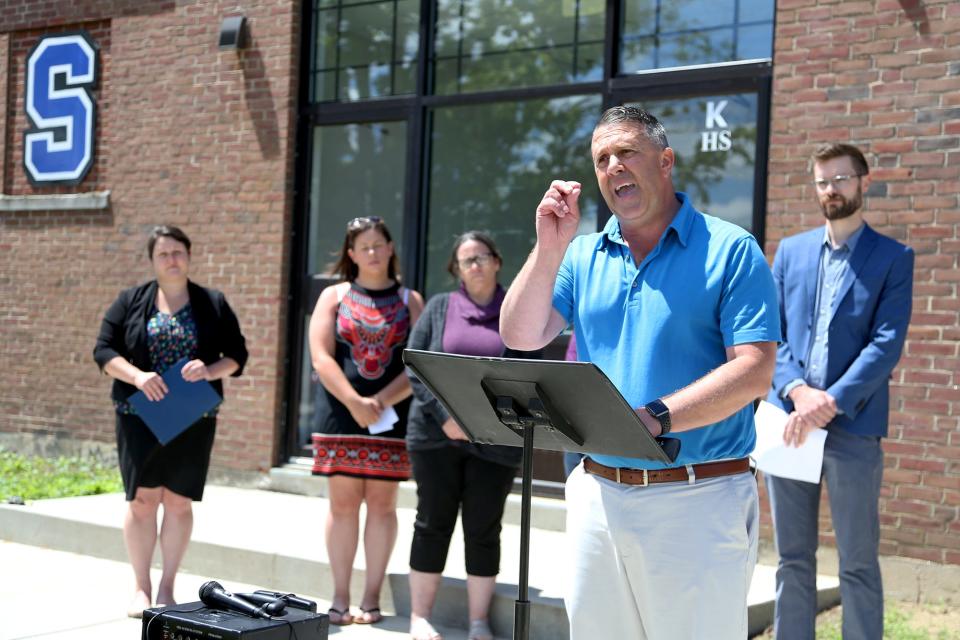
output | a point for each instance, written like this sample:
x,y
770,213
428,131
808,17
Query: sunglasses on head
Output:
x,y
363,221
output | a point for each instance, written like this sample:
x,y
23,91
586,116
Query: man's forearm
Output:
x,y
526,312
725,390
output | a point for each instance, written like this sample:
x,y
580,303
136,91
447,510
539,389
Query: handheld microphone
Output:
x,y
273,606
215,596
291,599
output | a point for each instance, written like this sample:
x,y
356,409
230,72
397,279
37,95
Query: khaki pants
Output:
x,y
667,561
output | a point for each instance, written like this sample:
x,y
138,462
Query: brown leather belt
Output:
x,y
643,477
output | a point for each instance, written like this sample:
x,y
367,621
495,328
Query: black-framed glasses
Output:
x,y
837,181
481,260
363,221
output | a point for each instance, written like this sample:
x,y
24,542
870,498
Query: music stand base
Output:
x,y
521,620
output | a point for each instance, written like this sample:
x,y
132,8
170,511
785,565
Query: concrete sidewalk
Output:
x,y
57,595
275,540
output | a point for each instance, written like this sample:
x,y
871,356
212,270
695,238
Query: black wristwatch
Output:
x,y
659,411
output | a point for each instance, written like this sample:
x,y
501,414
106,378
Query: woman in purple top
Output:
x,y
450,471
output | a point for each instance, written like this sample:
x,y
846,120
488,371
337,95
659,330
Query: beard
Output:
x,y
838,207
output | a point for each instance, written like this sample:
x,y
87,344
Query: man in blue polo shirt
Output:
x,y
680,311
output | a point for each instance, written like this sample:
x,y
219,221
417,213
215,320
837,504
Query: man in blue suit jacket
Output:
x,y
845,293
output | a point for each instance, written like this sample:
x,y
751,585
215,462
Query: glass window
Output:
x,y
310,390
365,49
714,139
753,41
759,10
494,44
658,34
358,170
490,164
486,165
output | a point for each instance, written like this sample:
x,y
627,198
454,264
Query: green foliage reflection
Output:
x,y
492,163
494,44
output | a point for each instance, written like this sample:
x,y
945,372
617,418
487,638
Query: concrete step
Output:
x,y
275,539
546,513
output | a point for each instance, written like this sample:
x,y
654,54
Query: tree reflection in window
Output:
x,y
714,139
364,49
491,163
658,34
493,44
357,170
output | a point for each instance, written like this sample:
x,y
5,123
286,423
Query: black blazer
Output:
x,y
124,332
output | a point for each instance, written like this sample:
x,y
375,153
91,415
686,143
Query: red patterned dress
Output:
x,y
371,332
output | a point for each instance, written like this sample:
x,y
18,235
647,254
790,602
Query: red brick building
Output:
x,y
188,134
446,116
886,76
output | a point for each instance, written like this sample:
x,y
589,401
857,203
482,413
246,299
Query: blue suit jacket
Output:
x,y
867,330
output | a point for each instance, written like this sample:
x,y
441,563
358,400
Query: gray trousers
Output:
x,y
853,470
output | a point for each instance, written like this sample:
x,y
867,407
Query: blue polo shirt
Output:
x,y
655,327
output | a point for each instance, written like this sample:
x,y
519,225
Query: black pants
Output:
x,y
446,479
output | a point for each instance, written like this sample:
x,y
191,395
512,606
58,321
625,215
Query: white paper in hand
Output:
x,y
774,457
388,418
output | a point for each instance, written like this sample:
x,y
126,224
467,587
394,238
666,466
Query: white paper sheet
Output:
x,y
776,458
387,419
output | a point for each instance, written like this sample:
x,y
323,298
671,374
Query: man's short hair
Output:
x,y
840,150
651,127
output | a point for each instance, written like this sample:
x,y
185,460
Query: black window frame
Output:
x,y
615,88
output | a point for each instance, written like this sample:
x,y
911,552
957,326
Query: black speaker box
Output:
x,y
195,621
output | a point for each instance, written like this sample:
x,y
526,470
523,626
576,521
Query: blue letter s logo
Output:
x,y
58,148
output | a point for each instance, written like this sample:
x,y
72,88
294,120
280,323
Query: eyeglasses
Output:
x,y
481,260
363,221
837,181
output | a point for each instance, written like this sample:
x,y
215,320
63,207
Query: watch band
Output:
x,y
661,413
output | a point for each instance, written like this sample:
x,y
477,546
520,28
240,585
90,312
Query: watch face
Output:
x,y
658,409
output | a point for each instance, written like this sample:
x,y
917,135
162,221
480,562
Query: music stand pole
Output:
x,y
521,611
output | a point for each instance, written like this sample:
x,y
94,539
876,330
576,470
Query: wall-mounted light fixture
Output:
x,y
233,32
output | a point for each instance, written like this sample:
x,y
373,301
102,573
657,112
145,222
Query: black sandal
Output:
x,y
374,616
344,617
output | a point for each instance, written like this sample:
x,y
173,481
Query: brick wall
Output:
x,y
885,75
202,138
188,135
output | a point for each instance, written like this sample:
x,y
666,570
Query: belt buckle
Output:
x,y
646,479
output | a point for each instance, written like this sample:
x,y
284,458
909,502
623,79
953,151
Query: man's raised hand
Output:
x,y
558,215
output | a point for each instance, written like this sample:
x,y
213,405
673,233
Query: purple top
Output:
x,y
472,330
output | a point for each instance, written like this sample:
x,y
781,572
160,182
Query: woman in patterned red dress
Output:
x,y
357,333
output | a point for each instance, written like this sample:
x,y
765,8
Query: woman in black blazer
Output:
x,y
147,329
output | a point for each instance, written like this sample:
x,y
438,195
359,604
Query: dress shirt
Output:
x,y
834,262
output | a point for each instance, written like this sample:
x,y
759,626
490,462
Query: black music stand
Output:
x,y
536,404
